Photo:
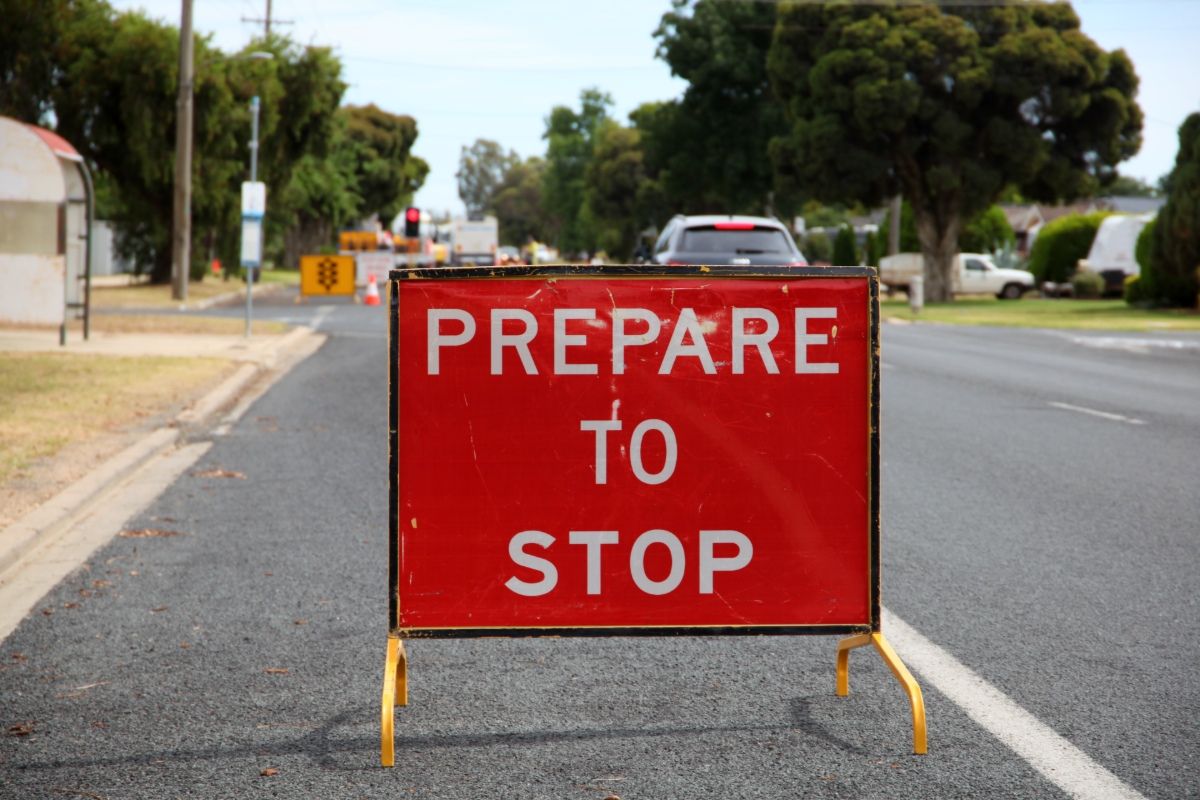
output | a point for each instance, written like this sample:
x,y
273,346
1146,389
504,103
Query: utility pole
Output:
x,y
182,239
266,21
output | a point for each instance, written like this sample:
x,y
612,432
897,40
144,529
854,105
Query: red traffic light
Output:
x,y
412,222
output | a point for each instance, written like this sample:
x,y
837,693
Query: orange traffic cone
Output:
x,y
371,298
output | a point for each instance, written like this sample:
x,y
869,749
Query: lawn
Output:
x,y
50,400
1112,315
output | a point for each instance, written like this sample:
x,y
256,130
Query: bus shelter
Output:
x,y
46,210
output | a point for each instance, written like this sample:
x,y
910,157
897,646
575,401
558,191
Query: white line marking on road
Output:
x,y
1141,345
319,317
1062,763
1102,414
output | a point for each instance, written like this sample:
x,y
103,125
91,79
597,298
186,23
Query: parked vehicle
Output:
x,y
973,273
1113,254
474,241
507,255
743,241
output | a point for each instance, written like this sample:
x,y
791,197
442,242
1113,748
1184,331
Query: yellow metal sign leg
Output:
x,y
402,677
920,744
395,693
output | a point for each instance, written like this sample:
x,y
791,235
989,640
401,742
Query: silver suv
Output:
x,y
741,241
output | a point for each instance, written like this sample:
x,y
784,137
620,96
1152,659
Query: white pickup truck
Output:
x,y
973,273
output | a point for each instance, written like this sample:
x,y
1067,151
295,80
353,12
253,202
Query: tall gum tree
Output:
x,y
707,148
948,105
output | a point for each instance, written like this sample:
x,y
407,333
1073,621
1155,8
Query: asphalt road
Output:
x,y
1050,550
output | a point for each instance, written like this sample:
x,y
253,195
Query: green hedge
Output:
x,y
1061,244
817,247
1087,285
845,248
1171,270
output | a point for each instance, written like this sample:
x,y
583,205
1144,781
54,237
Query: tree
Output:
x,y
987,232
713,152
612,181
29,62
819,215
845,248
1174,247
570,137
517,203
323,196
114,98
386,173
1126,186
368,170
108,83
948,105
481,168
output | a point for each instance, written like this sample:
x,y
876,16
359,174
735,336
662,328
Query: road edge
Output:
x,y
50,519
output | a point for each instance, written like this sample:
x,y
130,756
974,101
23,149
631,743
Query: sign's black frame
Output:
x,y
570,271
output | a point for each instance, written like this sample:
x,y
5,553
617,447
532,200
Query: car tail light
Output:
x,y
672,263
734,226
797,263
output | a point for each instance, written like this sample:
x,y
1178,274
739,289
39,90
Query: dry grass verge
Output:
x,y
146,295
61,414
175,323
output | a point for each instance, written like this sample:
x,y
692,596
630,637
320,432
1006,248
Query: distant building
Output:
x,y
1027,219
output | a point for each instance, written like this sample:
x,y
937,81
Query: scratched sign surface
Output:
x,y
607,451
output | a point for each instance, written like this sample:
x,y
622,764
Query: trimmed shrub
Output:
x,y
1061,244
1139,289
845,248
1174,247
817,247
1135,290
872,250
1087,285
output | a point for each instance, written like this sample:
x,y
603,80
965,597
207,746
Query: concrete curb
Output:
x,y
260,290
52,517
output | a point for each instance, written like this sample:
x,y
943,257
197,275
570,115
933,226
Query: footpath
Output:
x,y
261,360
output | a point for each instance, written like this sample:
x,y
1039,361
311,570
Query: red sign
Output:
x,y
635,453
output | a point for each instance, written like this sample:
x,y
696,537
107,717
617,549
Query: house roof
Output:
x,y
1132,205
1022,217
1051,213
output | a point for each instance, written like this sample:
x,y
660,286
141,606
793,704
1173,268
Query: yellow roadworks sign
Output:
x,y
358,240
326,275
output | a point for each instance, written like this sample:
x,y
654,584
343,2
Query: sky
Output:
x,y
470,69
